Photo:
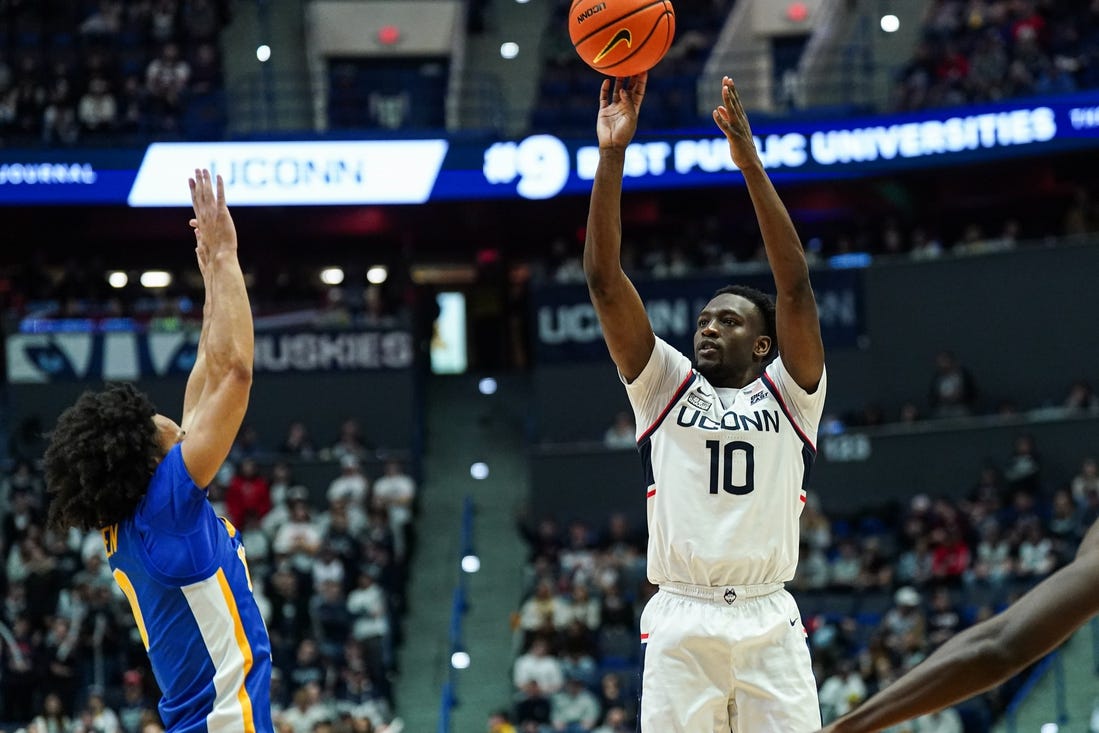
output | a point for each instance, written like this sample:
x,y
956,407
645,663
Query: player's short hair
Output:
x,y
101,456
766,305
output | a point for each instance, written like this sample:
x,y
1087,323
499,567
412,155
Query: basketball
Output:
x,y
621,37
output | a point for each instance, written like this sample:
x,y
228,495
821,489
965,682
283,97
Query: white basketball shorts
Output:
x,y
726,660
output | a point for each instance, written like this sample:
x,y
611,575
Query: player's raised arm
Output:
x,y
797,322
992,651
622,315
229,344
196,382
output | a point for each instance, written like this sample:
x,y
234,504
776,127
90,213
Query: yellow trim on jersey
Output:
x,y
229,527
128,590
245,650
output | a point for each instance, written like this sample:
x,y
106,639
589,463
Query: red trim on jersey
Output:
x,y
651,494
786,410
644,637
803,499
675,398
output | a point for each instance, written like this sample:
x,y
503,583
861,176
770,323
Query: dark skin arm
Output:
x,y
795,307
621,313
992,651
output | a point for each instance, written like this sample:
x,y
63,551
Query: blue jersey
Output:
x,y
184,572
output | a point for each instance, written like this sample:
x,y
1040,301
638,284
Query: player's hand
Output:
x,y
214,228
202,255
732,120
618,107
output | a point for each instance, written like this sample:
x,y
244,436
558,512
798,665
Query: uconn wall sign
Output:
x,y
568,329
39,358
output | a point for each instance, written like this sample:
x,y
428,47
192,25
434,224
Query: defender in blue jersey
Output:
x,y
116,465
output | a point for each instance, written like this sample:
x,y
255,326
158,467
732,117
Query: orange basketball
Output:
x,y
621,37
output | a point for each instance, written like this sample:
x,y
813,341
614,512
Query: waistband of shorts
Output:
x,y
724,595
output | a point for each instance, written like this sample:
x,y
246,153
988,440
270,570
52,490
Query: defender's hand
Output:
x,y
214,228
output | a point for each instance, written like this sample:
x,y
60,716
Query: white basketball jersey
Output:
x,y
726,471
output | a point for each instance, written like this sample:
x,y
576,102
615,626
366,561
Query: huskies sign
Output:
x,y
53,357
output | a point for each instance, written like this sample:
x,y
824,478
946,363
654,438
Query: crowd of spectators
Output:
x,y
105,71
576,629
878,592
328,565
702,245
988,50
953,393
82,297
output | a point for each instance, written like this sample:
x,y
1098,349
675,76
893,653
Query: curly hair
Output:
x,y
101,456
766,305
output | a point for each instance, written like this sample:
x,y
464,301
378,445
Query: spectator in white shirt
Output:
x,y
580,607
574,709
540,611
539,667
351,484
299,537
621,433
97,110
841,691
395,492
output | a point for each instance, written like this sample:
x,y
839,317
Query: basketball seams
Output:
x,y
579,41
640,46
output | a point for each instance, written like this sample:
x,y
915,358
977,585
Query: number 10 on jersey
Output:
x,y
732,467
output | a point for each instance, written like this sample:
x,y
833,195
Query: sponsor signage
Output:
x,y
40,358
567,329
540,166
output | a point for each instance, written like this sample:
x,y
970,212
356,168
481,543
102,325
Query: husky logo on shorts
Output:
x,y
730,595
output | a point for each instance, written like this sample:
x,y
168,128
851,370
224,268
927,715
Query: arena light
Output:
x,y
459,660
118,279
487,386
332,275
377,274
156,279
471,563
389,35
509,49
797,12
479,471
263,53
890,23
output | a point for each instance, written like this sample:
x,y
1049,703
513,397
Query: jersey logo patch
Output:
x,y
758,396
730,595
698,402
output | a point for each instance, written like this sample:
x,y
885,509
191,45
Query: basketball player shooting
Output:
x,y
992,651
115,465
726,445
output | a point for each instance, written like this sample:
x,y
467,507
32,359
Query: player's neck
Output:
x,y
734,379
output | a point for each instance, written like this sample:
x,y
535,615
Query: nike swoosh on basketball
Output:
x,y
623,34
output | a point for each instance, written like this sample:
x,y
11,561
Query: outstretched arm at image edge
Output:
x,y
992,651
